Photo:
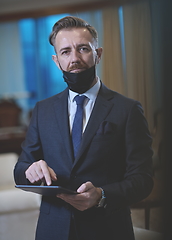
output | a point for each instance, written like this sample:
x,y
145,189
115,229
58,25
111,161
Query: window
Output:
x,y
42,77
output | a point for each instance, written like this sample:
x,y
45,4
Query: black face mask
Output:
x,y
80,82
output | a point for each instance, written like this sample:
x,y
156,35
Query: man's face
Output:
x,y
76,50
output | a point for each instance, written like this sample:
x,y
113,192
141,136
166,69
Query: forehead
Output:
x,y
73,36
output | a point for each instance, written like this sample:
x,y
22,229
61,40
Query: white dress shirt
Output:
x,y
91,95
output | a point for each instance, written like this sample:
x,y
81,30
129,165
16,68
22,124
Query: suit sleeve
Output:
x,y
137,182
31,150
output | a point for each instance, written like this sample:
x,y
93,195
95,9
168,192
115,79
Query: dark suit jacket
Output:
x,y
115,154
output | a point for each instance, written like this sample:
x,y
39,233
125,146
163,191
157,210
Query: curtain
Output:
x,y
113,75
42,77
11,68
12,83
128,66
139,61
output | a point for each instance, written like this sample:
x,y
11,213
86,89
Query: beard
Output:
x,y
77,66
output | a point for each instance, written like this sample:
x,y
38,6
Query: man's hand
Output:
x,y
40,171
88,197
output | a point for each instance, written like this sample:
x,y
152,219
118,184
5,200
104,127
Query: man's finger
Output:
x,y
52,174
85,187
45,172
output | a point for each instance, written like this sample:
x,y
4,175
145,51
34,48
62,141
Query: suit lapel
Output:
x,y
101,109
61,108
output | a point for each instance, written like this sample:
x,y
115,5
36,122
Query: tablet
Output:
x,y
45,190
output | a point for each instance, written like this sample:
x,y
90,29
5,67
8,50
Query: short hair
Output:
x,y
70,22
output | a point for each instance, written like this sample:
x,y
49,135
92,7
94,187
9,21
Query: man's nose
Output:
x,y
75,56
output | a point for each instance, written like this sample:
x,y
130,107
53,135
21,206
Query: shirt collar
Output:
x,y
91,93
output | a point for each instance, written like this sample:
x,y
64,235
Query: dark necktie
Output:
x,y
77,127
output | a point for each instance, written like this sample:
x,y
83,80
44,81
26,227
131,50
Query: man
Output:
x,y
112,167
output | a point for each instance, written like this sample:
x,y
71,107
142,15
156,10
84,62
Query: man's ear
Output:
x,y
55,59
99,54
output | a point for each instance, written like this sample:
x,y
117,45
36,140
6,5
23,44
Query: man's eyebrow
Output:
x,y
83,44
65,48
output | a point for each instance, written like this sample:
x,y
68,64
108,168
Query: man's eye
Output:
x,y
65,52
84,49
